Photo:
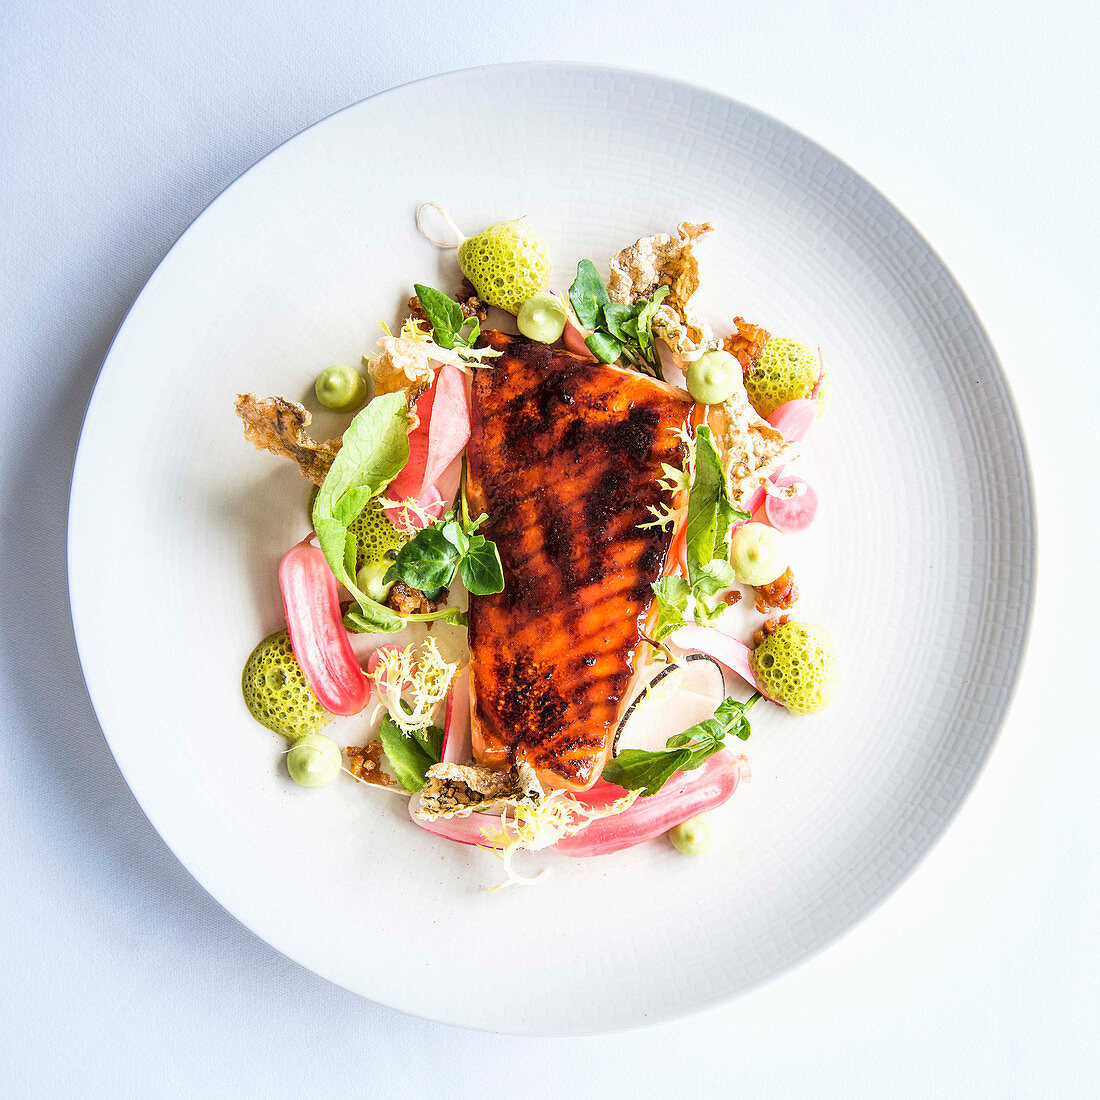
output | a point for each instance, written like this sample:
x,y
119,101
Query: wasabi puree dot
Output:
x,y
314,761
785,372
507,263
691,837
341,389
796,666
712,377
757,554
378,540
542,317
276,693
369,579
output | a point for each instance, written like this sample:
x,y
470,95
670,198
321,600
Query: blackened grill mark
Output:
x,y
528,701
634,437
558,541
610,497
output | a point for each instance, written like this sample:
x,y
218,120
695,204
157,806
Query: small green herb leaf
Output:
x,y
671,594
444,315
428,560
481,570
604,347
647,770
588,295
408,757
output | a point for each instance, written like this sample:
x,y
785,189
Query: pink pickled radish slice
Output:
x,y
463,830
457,747
727,651
795,418
791,514
573,339
311,600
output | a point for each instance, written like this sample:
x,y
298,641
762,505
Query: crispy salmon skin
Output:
x,y
564,457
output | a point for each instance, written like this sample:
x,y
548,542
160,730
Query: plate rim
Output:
x,y
1028,565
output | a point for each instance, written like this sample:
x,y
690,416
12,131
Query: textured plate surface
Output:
x,y
920,562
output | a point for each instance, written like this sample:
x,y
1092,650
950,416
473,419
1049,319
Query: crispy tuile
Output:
x,y
751,448
277,425
665,260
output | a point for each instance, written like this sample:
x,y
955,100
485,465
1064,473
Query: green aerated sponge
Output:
x,y
507,263
375,536
787,371
796,666
276,692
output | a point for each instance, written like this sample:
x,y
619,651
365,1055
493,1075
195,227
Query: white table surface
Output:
x,y
119,976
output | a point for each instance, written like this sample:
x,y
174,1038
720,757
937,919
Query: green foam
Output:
x,y
787,371
796,666
276,693
507,263
375,536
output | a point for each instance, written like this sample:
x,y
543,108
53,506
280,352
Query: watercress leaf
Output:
x,y
671,594
430,739
370,617
588,295
407,757
604,347
426,561
481,570
351,503
645,770
705,527
455,535
472,525
614,315
374,449
443,312
729,710
714,577
649,310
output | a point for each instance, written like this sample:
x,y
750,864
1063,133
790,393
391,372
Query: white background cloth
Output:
x,y
121,120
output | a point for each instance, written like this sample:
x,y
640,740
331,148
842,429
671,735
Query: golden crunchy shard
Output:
x,y
405,362
277,425
751,448
665,260
454,790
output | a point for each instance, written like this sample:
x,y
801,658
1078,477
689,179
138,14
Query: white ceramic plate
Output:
x,y
921,561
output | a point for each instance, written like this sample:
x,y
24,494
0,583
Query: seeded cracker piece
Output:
x,y
277,425
751,448
454,790
664,260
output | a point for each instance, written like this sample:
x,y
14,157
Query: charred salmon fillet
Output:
x,y
564,457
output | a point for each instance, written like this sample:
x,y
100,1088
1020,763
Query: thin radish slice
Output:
x,y
684,795
462,830
727,651
457,746
573,338
311,600
443,431
791,514
795,418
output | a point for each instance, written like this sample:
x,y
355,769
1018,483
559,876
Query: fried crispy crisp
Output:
x,y
664,260
404,362
277,425
751,448
454,790
747,344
